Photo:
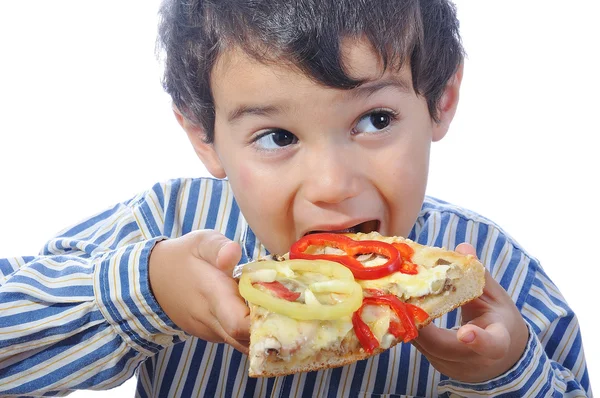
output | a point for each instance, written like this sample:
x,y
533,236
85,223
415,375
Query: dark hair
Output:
x,y
307,33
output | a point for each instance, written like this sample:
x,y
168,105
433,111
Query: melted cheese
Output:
x,y
331,333
377,317
302,338
427,281
289,332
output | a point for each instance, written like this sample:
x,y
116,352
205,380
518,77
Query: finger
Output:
x,y
208,327
222,295
225,302
430,356
441,343
233,316
205,333
466,248
228,257
212,331
493,342
206,244
217,250
227,338
202,322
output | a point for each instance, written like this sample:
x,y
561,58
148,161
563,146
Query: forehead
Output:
x,y
236,73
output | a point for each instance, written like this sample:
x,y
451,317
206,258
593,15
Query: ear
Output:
x,y
447,105
205,151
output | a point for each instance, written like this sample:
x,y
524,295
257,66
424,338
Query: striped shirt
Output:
x,y
80,315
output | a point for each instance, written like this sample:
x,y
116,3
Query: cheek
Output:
x,y
405,184
264,201
246,179
408,165
262,194
254,184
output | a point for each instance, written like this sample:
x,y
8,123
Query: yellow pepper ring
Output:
x,y
301,311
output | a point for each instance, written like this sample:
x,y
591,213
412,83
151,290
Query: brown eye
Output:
x,y
276,138
374,122
380,120
283,138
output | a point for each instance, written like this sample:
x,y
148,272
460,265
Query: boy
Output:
x,y
320,122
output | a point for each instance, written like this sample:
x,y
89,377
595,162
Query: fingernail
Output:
x,y
220,250
467,337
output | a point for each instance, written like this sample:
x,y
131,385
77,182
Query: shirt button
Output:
x,y
163,339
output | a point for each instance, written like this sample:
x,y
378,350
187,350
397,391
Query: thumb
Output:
x,y
228,257
492,342
466,248
217,250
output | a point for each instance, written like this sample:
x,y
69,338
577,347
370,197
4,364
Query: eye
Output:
x,y
275,139
374,122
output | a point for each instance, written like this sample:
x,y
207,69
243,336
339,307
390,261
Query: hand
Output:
x,y
492,339
191,278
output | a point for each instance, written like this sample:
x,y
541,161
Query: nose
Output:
x,y
331,178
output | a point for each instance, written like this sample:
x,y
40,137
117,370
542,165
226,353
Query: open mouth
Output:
x,y
364,227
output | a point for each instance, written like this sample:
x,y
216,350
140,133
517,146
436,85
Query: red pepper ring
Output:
x,y
399,307
366,338
406,252
279,290
396,329
417,312
405,329
352,248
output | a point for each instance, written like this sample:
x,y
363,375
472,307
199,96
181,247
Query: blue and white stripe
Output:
x,y
81,315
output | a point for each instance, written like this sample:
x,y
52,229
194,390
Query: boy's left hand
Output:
x,y
492,339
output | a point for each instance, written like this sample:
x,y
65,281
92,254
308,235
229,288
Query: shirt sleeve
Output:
x,y
553,364
81,314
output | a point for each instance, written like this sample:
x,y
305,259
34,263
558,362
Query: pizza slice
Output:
x,y
336,299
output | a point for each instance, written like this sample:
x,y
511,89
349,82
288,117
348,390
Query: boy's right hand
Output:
x,y
191,278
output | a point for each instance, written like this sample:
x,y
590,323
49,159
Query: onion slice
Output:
x,y
301,311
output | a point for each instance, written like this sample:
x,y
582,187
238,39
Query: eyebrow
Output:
x,y
370,88
244,110
364,91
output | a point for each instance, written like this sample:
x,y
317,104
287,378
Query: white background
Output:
x,y
84,124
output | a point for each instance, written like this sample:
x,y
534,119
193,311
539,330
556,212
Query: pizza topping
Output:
x,y
352,249
406,252
365,336
277,257
427,281
291,340
404,327
310,298
417,313
269,345
387,340
283,334
379,318
333,285
282,300
409,268
279,290
263,275
365,259
284,270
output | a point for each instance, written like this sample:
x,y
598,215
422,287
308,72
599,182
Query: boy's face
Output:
x,y
301,157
